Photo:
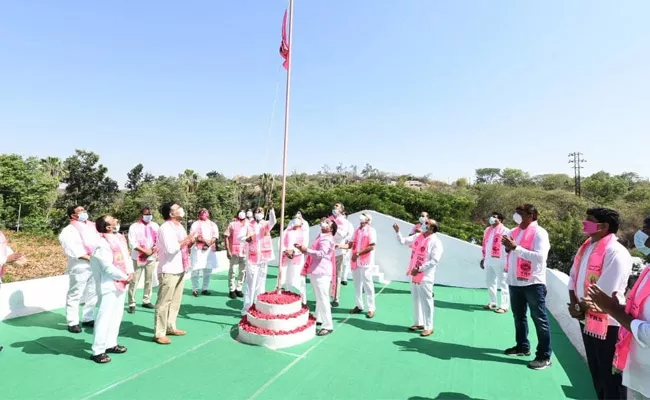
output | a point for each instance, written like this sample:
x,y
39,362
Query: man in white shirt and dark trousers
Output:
x,y
604,261
528,246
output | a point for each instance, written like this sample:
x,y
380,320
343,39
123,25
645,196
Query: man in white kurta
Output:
x,y
422,287
363,259
204,252
143,236
343,237
494,263
260,252
294,260
7,256
79,240
112,269
236,253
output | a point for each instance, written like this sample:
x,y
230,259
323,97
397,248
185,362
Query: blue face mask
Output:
x,y
335,212
82,217
147,218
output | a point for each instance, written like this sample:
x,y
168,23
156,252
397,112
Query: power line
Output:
x,y
577,161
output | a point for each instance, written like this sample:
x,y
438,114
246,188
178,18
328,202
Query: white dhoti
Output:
x,y
422,295
254,283
203,263
495,278
322,285
363,283
82,284
109,318
292,279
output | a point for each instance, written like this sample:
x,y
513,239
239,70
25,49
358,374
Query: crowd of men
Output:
x,y
104,267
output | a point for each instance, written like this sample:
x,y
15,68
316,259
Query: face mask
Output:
x,y
422,220
424,228
259,216
335,212
180,212
249,214
517,218
147,218
298,215
116,229
363,219
241,215
589,227
295,223
324,225
640,238
82,217
493,220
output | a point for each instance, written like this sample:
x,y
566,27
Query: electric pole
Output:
x,y
577,161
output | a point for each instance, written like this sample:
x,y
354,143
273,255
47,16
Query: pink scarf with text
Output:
x,y
85,229
361,241
495,246
524,267
118,258
418,257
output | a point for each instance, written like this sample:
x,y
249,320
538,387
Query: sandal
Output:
x,y
117,350
101,358
416,328
323,332
500,310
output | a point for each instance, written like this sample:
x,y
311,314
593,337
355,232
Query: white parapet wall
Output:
x,y
18,299
458,267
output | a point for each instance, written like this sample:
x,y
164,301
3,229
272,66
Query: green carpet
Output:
x,y
362,359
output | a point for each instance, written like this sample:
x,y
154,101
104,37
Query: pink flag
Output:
x,y
284,45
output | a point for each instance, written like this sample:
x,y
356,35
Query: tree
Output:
x,y
515,177
554,181
488,175
603,188
134,178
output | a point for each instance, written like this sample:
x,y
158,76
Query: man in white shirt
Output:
x,y
426,251
174,262
604,261
112,269
204,252
7,256
344,235
494,263
363,265
236,253
528,246
143,236
79,240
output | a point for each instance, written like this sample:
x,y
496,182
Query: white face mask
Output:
x,y
259,216
180,212
324,225
363,219
517,218
640,238
422,219
241,215
424,227
493,220
249,214
335,212
295,222
117,229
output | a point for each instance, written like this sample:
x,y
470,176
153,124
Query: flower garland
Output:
x,y
260,315
245,325
284,297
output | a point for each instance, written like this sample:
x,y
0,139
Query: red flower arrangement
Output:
x,y
260,315
245,325
284,297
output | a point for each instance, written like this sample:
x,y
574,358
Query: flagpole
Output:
x,y
287,104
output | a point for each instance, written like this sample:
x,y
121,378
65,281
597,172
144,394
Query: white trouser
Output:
x,y
196,274
109,318
423,304
292,280
343,270
322,285
254,284
495,278
82,283
362,277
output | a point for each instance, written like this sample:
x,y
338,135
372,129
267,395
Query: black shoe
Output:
x,y
239,294
148,305
195,293
205,292
131,309
88,324
74,329
516,351
232,295
335,303
101,358
1,348
539,363
344,283
117,350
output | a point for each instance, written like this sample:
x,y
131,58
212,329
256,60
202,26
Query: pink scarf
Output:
x,y
118,258
524,267
143,241
85,229
495,249
636,302
596,323
202,230
265,244
308,260
361,240
288,245
3,253
418,257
